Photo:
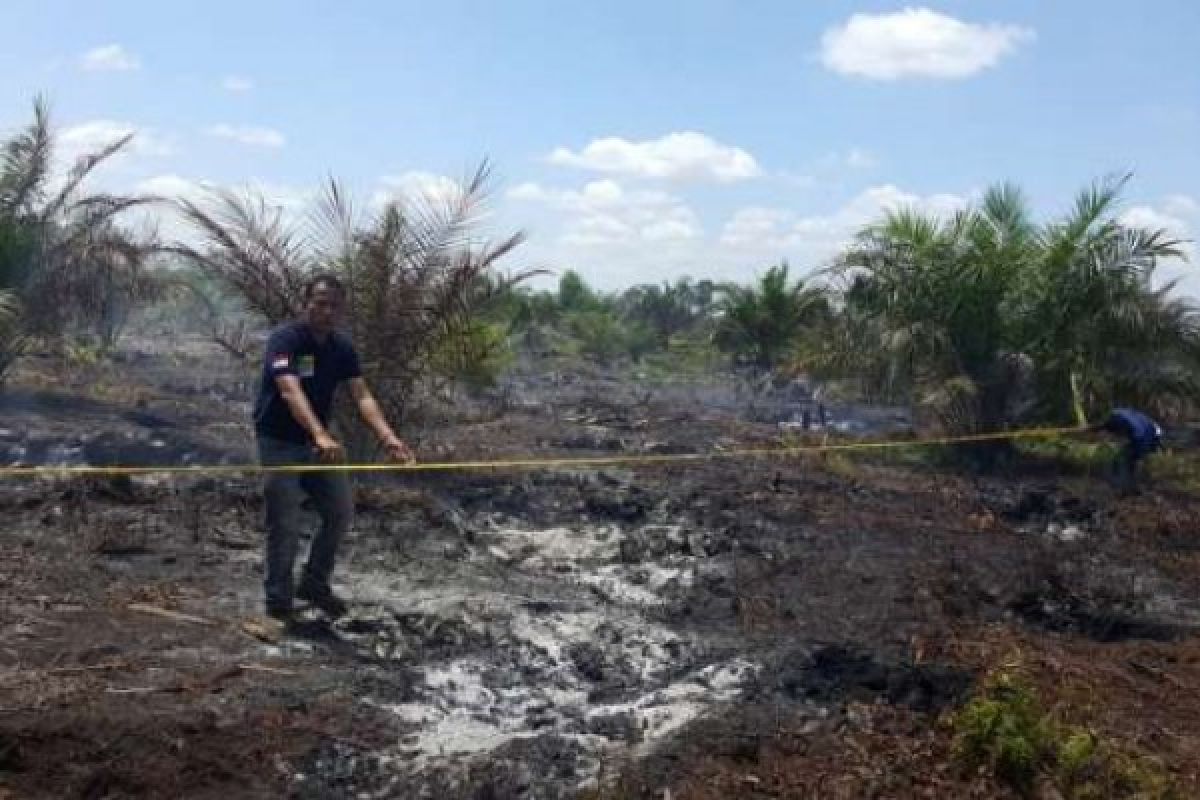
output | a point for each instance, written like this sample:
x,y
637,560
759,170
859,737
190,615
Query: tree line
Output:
x,y
978,319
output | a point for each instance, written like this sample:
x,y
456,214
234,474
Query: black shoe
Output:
x,y
285,614
324,599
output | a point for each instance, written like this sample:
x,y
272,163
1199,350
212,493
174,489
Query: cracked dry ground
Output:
x,y
720,629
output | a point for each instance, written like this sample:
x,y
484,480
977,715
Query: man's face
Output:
x,y
324,308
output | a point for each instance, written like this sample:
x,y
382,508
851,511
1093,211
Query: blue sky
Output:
x,y
635,141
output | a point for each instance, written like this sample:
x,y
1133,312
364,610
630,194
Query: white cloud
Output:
x,y
160,218
1183,205
292,202
917,43
1179,216
676,156
109,58
174,187
431,187
279,195
1153,218
774,233
251,135
669,230
164,219
860,159
604,213
619,237
527,191
89,137
755,226
236,83
95,134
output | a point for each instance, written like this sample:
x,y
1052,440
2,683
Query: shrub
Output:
x,y
1006,729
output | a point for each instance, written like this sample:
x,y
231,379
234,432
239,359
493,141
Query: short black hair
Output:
x,y
327,279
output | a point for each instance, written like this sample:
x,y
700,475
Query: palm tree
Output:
x,y
60,246
412,272
599,334
574,294
761,322
930,313
1098,330
947,313
667,309
10,315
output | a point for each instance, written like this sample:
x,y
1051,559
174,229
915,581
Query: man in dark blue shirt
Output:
x,y
1142,437
304,363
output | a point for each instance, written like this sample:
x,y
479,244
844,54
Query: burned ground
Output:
x,y
747,628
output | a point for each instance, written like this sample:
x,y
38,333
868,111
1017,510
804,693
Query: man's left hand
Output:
x,y
398,451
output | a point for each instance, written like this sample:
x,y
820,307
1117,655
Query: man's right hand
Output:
x,y
329,450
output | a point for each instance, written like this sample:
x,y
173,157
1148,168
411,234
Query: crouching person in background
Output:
x,y
1142,436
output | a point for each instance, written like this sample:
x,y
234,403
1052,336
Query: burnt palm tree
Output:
x,y
412,271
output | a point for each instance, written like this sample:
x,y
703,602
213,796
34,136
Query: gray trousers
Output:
x,y
284,493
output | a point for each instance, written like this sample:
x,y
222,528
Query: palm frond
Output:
x,y
25,164
79,172
248,246
417,275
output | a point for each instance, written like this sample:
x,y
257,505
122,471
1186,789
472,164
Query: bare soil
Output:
x,y
724,628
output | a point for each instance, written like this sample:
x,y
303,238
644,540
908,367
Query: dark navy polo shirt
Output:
x,y
292,349
1144,434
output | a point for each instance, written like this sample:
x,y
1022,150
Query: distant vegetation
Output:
x,y
982,319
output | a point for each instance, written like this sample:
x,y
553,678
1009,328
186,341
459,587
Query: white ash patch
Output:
x,y
552,549
573,645
640,585
587,556
663,712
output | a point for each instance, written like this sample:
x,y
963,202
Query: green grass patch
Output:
x,y
1005,729
1179,469
1072,453
686,360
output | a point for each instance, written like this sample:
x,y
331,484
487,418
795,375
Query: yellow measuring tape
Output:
x,y
533,463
